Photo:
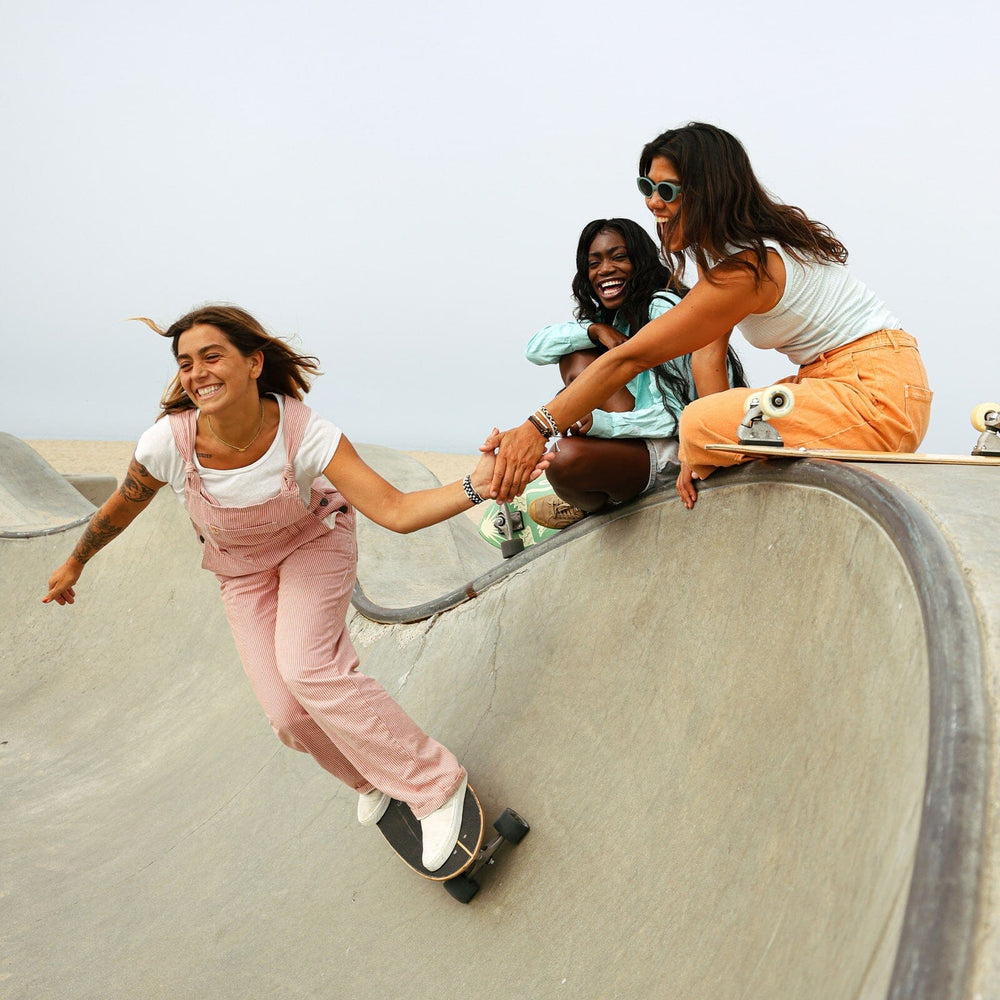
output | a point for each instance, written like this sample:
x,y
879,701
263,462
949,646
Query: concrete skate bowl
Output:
x,y
749,738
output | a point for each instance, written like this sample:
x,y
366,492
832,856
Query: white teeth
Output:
x,y
210,390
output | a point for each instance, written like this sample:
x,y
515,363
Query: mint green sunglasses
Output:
x,y
667,190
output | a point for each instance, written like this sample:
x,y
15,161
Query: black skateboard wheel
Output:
x,y
462,888
511,826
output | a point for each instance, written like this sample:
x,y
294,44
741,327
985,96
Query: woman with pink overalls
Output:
x,y
271,490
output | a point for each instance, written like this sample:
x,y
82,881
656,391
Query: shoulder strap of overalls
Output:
x,y
295,420
184,427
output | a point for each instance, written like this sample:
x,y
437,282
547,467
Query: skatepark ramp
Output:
x,y
753,740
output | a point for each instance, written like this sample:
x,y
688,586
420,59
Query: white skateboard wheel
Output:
x,y
981,412
777,401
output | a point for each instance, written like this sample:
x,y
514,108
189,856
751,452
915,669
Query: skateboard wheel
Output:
x,y
982,412
750,402
511,826
462,888
777,401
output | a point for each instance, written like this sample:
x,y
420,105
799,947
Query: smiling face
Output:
x,y
661,169
213,373
609,268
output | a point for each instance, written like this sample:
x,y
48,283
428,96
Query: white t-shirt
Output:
x,y
254,484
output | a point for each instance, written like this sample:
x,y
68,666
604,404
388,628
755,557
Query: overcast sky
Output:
x,y
402,185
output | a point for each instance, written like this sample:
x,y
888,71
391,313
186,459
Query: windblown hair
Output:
x,y
649,276
284,371
726,210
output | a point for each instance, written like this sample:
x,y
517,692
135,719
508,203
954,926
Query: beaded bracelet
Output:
x,y
470,490
548,416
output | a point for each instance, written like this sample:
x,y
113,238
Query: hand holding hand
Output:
x,y
517,458
482,475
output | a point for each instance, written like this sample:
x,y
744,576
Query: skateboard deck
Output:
x,y
841,455
402,830
531,533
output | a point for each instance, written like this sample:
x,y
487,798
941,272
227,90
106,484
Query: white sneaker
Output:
x,y
440,830
372,806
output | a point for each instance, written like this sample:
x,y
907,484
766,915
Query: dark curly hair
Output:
x,y
649,276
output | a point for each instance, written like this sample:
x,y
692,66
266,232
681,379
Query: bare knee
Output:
x,y
562,462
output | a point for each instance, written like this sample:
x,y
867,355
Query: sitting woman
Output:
x,y
615,452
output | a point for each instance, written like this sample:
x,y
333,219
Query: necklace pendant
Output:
x,y
235,447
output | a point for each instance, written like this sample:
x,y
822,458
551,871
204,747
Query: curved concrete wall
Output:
x,y
724,726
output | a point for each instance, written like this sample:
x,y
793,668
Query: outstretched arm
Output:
x,y
380,501
116,513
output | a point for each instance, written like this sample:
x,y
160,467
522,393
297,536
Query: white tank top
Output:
x,y
823,307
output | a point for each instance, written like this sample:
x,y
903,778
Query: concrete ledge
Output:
x,y
93,488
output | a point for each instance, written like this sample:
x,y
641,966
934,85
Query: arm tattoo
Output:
x,y
132,489
99,532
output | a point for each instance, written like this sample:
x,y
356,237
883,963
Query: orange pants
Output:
x,y
869,395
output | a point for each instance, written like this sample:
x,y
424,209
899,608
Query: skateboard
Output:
x,y
508,526
756,436
841,455
402,829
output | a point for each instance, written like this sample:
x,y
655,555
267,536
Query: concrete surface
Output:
x,y
753,741
33,502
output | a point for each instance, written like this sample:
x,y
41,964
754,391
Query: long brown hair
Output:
x,y
726,210
284,371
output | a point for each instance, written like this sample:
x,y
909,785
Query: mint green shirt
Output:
x,y
649,418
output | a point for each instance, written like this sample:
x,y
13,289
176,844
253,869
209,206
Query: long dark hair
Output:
x,y
284,371
649,276
725,209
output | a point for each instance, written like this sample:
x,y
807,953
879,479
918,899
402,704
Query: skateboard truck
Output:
x,y
759,409
508,523
511,828
986,419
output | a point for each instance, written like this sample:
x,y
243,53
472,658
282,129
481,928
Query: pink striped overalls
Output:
x,y
286,578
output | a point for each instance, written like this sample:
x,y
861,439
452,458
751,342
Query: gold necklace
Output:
x,y
250,442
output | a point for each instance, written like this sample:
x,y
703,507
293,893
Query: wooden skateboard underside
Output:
x,y
899,458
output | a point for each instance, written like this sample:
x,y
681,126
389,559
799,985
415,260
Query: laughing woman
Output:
x,y
271,489
616,451
783,278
